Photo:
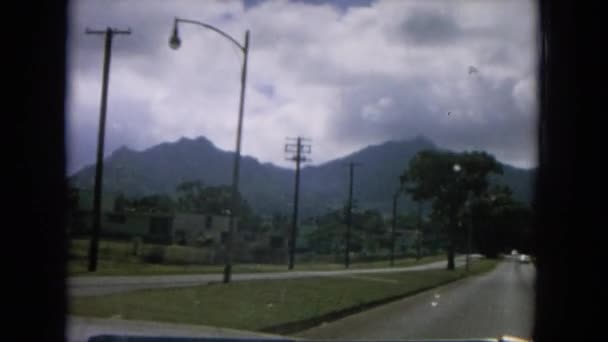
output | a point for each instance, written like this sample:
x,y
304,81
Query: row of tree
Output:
x,y
190,197
371,234
368,233
459,199
453,187
458,189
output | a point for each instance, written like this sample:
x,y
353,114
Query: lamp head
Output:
x,y
174,41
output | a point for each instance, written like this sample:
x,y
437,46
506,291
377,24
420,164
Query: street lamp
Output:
x,y
469,206
175,43
457,168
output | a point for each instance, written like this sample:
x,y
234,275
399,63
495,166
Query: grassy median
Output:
x,y
266,305
115,258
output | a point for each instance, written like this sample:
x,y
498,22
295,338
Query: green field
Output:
x,y
260,305
116,258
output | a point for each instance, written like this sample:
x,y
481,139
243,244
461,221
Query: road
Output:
x,y
101,285
498,303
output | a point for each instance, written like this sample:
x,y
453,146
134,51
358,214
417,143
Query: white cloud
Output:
x,y
374,111
525,94
327,69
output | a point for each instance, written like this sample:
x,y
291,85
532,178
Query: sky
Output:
x,y
345,74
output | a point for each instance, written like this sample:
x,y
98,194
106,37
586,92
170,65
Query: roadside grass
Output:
x,y
269,305
116,258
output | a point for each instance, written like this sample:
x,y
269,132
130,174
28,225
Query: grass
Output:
x,y
264,305
115,258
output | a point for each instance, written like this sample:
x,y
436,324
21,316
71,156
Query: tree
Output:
x,y
328,238
157,203
280,223
193,196
407,221
120,203
370,231
448,180
190,196
415,226
502,223
75,221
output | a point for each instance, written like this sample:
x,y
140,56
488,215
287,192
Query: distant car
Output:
x,y
524,259
514,252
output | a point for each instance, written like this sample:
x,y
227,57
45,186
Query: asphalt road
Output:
x,y
95,286
488,306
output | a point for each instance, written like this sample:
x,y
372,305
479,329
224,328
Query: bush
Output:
x,y
241,251
136,243
181,255
116,236
157,239
261,253
319,258
154,255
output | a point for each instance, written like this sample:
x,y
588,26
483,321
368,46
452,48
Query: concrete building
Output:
x,y
200,229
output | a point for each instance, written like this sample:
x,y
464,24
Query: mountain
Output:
x,y
376,176
269,188
160,168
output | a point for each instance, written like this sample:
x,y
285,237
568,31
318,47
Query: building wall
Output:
x,y
199,227
153,227
206,231
85,200
133,224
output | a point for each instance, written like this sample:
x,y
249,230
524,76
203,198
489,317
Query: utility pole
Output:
x,y
419,235
94,245
394,225
469,233
299,148
349,213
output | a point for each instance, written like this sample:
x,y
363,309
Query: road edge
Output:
x,y
294,327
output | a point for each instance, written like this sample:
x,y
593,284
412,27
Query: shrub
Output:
x,y
182,255
261,253
154,255
136,243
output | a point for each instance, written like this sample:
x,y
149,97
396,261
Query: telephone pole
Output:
x,y
419,235
94,246
394,226
299,148
349,211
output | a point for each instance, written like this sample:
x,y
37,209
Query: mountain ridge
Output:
x,y
268,187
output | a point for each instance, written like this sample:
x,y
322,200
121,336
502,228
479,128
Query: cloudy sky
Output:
x,y
344,73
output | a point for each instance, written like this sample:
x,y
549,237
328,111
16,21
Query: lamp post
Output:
x,y
469,206
457,169
175,43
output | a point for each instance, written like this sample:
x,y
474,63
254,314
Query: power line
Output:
x,y
296,153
